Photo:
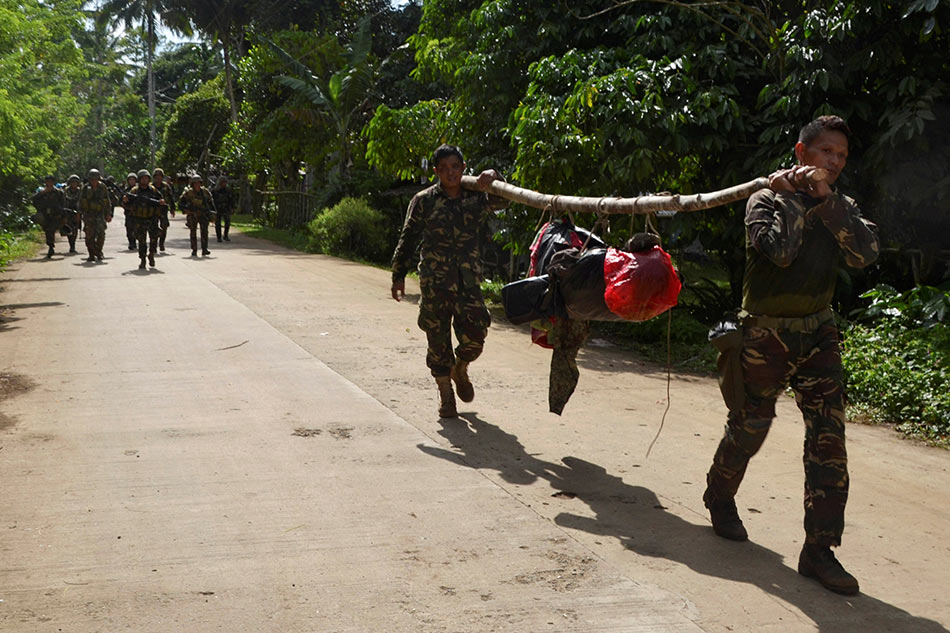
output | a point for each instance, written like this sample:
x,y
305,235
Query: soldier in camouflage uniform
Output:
x,y
168,195
72,222
50,206
198,206
798,232
224,206
144,203
95,204
447,220
130,181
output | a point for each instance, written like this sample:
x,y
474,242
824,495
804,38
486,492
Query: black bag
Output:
x,y
529,299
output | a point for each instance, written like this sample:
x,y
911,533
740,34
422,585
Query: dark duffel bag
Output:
x,y
529,299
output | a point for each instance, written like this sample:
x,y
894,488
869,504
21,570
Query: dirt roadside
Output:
x,y
584,474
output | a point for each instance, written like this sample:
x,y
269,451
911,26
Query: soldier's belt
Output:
x,y
807,323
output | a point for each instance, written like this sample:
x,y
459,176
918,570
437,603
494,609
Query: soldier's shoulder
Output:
x,y
428,193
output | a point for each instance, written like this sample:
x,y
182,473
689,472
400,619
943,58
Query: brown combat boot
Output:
x,y
725,517
446,398
462,383
819,562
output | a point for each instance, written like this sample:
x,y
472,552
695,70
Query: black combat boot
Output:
x,y
91,258
151,260
463,385
446,397
194,252
725,518
142,264
819,562
49,253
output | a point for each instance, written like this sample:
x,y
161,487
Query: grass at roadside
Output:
x,y
296,240
14,246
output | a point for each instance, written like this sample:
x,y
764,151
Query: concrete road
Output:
x,y
248,442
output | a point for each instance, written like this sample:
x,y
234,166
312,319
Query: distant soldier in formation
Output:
x,y
72,222
168,195
198,206
96,207
223,206
115,192
50,206
145,203
130,182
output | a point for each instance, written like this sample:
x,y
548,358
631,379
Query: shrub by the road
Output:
x,y
350,228
897,361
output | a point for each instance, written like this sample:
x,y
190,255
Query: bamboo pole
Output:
x,y
610,205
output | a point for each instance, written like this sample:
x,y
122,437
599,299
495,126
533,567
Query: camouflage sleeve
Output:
x,y
408,239
775,223
856,236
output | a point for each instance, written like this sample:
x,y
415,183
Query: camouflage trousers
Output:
x,y
146,228
195,222
443,310
95,234
566,336
810,363
163,225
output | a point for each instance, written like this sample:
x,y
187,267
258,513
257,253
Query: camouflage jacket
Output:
x,y
143,202
72,197
447,231
49,205
223,199
795,245
199,202
168,195
95,202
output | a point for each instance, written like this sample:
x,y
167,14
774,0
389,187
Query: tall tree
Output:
x,y
148,14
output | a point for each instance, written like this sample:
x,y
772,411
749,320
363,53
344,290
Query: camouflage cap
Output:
x,y
73,177
143,173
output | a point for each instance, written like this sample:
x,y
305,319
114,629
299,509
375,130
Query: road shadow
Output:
x,y
635,516
23,306
143,272
32,280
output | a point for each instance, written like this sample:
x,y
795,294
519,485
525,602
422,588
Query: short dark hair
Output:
x,y
827,122
444,151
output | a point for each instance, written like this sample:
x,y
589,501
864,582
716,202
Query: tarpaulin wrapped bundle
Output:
x,y
597,284
585,281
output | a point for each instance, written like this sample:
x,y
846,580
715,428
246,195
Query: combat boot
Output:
x,y
49,253
725,517
462,383
151,260
142,264
91,258
819,562
446,397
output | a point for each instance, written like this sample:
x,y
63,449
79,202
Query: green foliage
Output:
x,y
350,228
897,361
39,62
195,129
17,244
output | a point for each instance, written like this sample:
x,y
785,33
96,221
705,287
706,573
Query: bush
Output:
x,y
350,228
897,362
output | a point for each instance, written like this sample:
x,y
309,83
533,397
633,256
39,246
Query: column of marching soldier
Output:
x,y
147,201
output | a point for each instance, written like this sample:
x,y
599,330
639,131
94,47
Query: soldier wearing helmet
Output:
x,y
50,204
144,204
72,223
224,206
168,195
130,181
198,205
96,206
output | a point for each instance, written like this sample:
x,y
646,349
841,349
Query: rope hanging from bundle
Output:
x,y
612,205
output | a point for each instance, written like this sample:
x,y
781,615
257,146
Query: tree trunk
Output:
x,y
640,204
149,50
226,46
